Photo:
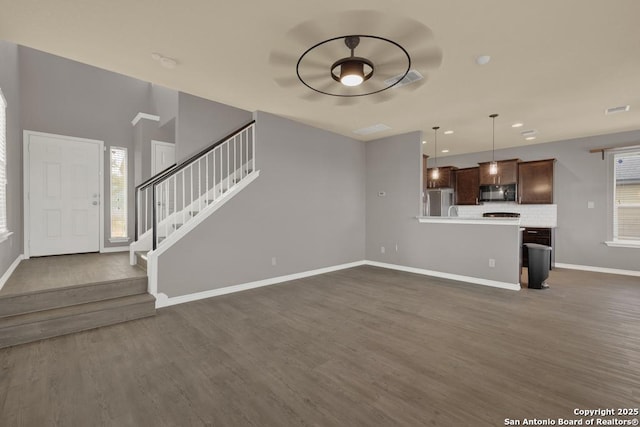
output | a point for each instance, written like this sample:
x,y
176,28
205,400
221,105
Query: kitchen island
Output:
x,y
482,251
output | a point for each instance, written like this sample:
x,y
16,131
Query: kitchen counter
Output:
x,y
468,220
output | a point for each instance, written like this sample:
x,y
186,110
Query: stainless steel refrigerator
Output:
x,y
437,202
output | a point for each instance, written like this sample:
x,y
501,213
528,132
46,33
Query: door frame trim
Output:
x,y
154,144
26,134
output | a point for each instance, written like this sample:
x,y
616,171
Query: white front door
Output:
x,y
163,155
63,194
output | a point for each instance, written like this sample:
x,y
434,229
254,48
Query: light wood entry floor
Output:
x,y
61,271
358,347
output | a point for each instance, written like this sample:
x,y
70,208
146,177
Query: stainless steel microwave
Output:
x,y
498,193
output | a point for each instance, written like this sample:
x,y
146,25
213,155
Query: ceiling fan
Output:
x,y
377,55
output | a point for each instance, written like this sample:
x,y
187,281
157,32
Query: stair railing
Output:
x,y
174,197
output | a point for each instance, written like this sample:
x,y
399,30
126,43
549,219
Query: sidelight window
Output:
x,y
3,167
118,162
626,200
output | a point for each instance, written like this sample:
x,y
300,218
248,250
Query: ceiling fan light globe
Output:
x,y
352,73
351,80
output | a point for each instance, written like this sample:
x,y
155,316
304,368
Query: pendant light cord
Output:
x,y
493,142
435,139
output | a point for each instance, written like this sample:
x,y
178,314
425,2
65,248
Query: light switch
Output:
x,y
590,205
381,194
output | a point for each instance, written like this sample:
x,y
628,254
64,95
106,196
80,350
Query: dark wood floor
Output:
x,y
358,347
54,272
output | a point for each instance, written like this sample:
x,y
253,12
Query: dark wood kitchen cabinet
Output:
x,y
467,186
507,173
535,182
446,179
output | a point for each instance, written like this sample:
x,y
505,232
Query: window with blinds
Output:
x,y
3,165
118,162
626,206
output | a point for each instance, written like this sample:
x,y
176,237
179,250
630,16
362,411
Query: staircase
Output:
x,y
172,203
49,313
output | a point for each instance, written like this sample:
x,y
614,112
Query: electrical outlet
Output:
x,y
381,249
274,261
492,262
591,205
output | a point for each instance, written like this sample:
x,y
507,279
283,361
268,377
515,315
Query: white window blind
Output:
x,y
118,158
3,164
626,203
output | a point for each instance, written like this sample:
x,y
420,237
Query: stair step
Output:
x,y
141,259
24,328
11,305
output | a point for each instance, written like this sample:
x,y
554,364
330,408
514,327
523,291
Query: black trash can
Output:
x,y
539,260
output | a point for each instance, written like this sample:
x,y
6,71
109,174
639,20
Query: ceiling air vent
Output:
x,y
411,77
614,110
530,132
372,129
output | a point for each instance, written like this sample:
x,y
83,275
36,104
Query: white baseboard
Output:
x,y
163,300
115,249
457,277
10,270
597,269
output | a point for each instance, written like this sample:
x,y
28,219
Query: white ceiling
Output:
x,y
556,65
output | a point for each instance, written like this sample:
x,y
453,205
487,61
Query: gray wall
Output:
x,y
11,248
144,132
306,209
164,102
394,167
579,177
201,122
65,97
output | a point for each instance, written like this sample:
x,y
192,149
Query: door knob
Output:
x,y
94,203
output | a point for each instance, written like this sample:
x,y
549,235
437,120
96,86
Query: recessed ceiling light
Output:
x,y
448,132
517,125
165,61
530,138
424,142
483,59
445,151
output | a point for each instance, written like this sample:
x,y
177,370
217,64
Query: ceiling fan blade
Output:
x,y
427,58
287,81
411,35
383,96
289,60
345,101
413,86
362,22
311,77
312,95
308,34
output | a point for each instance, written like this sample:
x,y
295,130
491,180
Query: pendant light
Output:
x,y
493,166
435,173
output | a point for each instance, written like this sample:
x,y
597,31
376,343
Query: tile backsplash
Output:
x,y
530,215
